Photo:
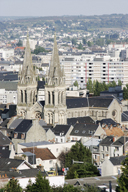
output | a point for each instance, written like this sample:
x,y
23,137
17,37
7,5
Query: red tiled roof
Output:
x,y
22,48
42,153
114,131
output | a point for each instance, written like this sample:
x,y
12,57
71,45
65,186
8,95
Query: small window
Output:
x,y
76,131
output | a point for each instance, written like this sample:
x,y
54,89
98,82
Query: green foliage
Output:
x,y
89,44
13,186
39,50
123,179
75,84
119,82
100,42
125,92
20,44
74,41
67,188
84,41
80,153
89,85
80,46
62,157
41,185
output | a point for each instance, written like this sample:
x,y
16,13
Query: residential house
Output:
x,y
62,133
44,157
6,147
112,165
105,147
55,148
28,131
93,145
85,131
119,147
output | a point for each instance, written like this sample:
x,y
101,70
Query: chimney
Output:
x,y
113,139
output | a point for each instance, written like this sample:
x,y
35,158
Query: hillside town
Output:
x,y
47,108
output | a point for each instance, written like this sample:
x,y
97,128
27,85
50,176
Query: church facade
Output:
x,y
57,108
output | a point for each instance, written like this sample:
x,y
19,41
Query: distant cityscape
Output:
x,y
63,86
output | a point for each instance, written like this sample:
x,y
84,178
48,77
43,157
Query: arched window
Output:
x,y
31,96
34,97
25,96
61,97
48,97
53,98
21,96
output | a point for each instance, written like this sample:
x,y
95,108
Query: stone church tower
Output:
x,y
27,85
55,91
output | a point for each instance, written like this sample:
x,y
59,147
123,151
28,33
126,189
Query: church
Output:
x,y
56,108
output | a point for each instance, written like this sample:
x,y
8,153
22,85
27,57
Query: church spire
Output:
x,y
27,74
55,75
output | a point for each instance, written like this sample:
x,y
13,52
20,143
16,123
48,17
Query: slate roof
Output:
x,y
32,172
42,123
124,116
24,126
31,144
107,141
4,123
15,123
84,120
58,129
42,153
28,153
41,85
92,102
8,85
120,141
22,173
4,152
6,163
4,140
108,122
117,160
84,130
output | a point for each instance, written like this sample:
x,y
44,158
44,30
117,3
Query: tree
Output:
x,y
84,41
62,157
89,44
74,41
13,186
125,92
80,46
123,179
75,84
113,84
39,50
80,153
98,89
41,185
20,44
119,82
89,85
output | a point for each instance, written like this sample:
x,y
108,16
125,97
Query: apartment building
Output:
x,y
83,68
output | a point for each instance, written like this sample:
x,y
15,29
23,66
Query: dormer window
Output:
x,y
15,135
76,131
22,136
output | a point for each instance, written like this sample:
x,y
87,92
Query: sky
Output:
x,y
62,7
